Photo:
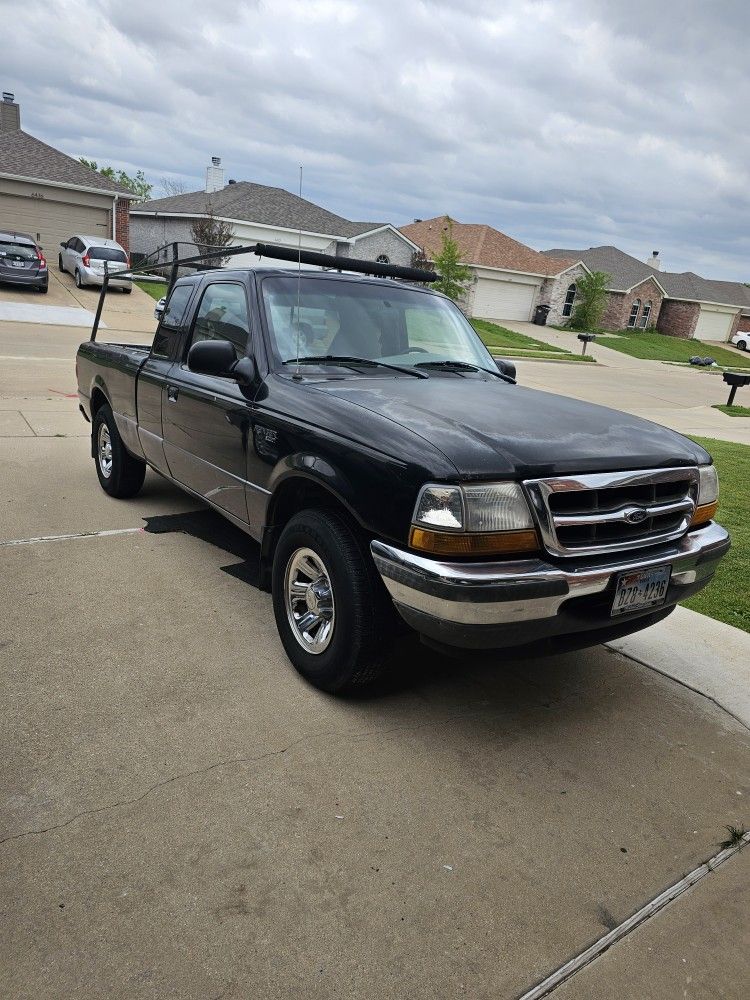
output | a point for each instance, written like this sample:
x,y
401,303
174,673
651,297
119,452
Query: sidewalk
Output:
x,y
680,398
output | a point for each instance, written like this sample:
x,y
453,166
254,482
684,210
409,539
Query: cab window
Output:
x,y
171,321
222,315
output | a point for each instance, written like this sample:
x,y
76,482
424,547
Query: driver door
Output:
x,y
205,418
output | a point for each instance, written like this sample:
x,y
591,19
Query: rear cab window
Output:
x,y
172,320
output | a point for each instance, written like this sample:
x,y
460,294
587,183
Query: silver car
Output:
x,y
84,257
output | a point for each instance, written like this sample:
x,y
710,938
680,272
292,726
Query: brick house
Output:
x,y
52,196
261,214
679,304
509,279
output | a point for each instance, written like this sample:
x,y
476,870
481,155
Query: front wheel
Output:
x,y
330,606
120,474
79,283
742,344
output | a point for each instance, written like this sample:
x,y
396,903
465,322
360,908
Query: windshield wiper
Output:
x,y
348,361
461,366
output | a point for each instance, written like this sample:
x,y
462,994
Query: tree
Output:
x,y
208,233
137,184
591,299
420,261
454,275
171,186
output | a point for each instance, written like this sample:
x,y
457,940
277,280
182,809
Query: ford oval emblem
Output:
x,y
636,516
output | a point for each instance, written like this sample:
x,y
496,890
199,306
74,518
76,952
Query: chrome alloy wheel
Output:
x,y
104,451
308,597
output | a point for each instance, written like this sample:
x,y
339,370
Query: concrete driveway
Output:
x,y
182,816
66,305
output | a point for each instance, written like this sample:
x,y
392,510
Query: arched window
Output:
x,y
645,315
634,310
570,297
383,258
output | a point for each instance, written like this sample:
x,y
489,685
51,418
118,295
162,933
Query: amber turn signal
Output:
x,y
457,543
703,513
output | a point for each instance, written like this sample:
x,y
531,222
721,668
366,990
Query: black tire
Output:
x,y
60,264
357,651
77,277
124,477
742,344
127,290
43,289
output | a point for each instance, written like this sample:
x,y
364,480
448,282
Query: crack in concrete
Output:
x,y
231,762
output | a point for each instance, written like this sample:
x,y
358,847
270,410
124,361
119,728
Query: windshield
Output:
x,y
17,251
107,253
391,323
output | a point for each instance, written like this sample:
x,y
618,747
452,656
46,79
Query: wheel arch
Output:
x,y
298,486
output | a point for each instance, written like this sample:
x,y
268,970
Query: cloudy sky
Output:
x,y
564,124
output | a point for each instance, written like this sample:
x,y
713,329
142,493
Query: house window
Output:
x,y
634,310
570,296
645,315
383,259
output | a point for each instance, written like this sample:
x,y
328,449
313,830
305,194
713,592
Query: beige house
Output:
x,y
50,195
509,279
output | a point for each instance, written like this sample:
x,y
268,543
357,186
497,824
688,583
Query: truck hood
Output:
x,y
491,428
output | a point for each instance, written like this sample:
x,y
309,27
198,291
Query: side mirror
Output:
x,y
159,307
64,246
506,367
219,358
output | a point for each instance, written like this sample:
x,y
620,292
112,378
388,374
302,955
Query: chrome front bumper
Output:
x,y
451,600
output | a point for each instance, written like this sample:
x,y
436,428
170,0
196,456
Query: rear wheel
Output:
x,y
127,290
330,607
60,263
43,289
742,344
120,474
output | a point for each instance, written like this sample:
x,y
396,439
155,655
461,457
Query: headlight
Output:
x,y
479,518
708,490
708,495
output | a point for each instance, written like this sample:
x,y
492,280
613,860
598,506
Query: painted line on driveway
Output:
x,y
645,913
72,537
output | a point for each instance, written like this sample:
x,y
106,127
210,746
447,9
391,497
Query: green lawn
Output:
x,y
727,597
733,411
156,289
655,346
517,345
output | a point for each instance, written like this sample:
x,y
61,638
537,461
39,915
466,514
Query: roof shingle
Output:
x,y
484,246
25,156
269,206
627,271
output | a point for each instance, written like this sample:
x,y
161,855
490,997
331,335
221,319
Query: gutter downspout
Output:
x,y
114,217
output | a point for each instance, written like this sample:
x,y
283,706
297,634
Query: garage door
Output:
x,y
713,325
54,221
503,299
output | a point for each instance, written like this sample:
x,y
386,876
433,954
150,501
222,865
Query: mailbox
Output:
x,y
736,380
586,337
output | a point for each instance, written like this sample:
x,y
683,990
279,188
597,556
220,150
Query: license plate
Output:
x,y
16,263
644,588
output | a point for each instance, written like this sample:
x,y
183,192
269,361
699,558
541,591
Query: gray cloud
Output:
x,y
562,123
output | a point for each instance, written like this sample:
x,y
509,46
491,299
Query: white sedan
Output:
x,y
742,340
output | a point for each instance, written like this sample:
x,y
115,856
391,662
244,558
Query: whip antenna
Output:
x,y
299,266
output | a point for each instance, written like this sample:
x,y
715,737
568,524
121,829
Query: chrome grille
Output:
x,y
604,512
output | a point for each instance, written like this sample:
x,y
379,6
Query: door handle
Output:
x,y
172,393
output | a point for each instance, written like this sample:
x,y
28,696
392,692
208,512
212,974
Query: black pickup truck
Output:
x,y
360,431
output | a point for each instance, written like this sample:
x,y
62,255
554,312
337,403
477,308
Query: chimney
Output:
x,y
654,261
214,175
10,113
